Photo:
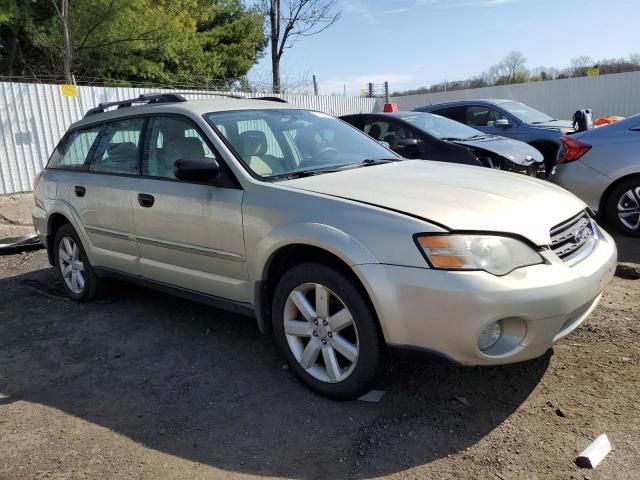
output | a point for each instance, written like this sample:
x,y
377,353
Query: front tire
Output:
x,y
623,207
326,331
72,264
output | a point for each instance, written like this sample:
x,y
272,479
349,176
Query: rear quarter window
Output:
x,y
73,150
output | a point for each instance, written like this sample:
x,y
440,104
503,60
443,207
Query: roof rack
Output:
x,y
270,99
146,98
238,97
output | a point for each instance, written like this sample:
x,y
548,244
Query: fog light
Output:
x,y
490,335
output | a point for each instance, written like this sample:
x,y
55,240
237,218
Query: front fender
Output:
x,y
328,238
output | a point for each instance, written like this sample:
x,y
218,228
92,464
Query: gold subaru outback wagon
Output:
x,y
337,246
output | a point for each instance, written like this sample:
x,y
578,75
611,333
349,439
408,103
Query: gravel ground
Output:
x,y
141,385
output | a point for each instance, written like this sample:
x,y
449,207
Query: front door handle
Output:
x,y
80,190
146,200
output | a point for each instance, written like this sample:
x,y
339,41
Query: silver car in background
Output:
x,y
332,242
602,167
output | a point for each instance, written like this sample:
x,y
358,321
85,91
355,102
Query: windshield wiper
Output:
x,y
302,174
479,135
453,139
367,162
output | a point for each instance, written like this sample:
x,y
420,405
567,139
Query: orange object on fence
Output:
x,y
607,120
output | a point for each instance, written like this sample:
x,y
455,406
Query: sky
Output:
x,y
413,43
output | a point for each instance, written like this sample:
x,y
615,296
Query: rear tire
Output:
x,y
623,207
324,328
72,264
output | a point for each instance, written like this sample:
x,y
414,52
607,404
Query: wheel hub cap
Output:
x,y
71,265
629,209
321,333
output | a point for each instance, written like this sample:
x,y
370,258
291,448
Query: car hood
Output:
x,y
555,125
516,151
459,197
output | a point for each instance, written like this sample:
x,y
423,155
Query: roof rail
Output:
x,y
231,95
212,94
270,99
146,98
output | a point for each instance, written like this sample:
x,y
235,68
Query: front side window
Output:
x,y
275,143
391,132
117,150
73,150
478,116
171,139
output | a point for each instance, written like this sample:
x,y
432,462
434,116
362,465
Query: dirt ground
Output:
x,y
141,385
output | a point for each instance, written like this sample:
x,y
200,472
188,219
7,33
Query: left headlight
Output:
x,y
494,254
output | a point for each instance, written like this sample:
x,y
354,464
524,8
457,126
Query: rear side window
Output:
x,y
459,114
73,150
118,148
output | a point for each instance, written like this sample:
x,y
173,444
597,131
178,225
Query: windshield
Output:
x,y
441,127
279,143
525,113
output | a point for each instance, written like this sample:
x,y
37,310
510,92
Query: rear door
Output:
x,y
102,195
189,234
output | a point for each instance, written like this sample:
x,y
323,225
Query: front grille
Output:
x,y
574,239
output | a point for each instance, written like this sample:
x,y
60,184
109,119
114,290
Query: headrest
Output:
x,y
252,143
120,152
187,147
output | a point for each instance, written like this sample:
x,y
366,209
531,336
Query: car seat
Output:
x,y
121,158
179,148
252,145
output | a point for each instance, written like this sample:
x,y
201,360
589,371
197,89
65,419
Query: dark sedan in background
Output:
x,y
510,119
432,137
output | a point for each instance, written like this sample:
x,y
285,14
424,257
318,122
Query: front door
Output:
x,y
189,234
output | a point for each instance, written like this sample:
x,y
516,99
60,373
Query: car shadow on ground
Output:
x,y
204,385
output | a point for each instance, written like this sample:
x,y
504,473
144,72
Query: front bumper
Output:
x,y
445,311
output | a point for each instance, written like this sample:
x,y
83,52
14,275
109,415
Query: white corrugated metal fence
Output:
x,y
33,117
617,94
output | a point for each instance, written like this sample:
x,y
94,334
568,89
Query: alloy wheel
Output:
x,y
629,209
321,332
71,264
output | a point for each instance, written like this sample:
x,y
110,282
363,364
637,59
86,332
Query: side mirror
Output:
x,y
502,123
384,144
409,143
196,169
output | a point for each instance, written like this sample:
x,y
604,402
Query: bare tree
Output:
x,y
580,64
634,59
513,64
289,20
63,14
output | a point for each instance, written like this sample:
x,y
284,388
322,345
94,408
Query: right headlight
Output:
x,y
491,253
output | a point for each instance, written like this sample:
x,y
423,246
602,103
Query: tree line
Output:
x,y
513,69
197,42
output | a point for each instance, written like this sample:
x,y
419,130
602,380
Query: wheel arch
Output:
x,y
604,198
545,145
284,257
54,222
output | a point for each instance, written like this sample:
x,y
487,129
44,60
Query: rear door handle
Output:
x,y
146,200
80,191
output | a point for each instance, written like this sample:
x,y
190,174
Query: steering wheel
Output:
x,y
326,150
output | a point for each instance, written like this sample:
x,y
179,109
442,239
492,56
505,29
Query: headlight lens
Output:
x,y
493,254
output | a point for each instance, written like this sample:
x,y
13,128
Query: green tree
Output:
x,y
168,41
